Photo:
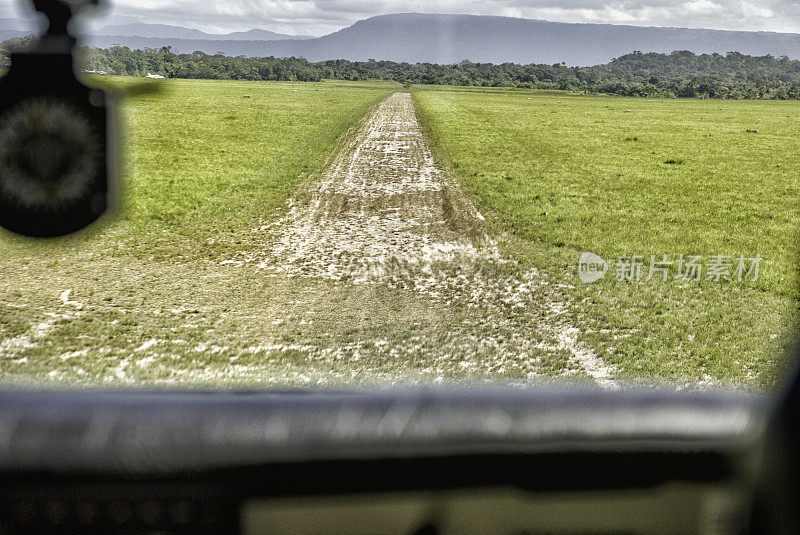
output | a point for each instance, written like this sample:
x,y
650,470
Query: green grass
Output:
x,y
203,162
204,167
560,174
213,164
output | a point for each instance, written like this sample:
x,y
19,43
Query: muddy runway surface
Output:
x,y
390,261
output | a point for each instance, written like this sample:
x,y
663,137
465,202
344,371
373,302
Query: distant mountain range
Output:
x,y
17,25
413,38
17,28
164,31
128,34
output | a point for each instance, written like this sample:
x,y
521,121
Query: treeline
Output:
x,y
679,74
16,43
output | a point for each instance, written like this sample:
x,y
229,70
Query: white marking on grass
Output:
x,y
66,300
73,354
12,346
147,345
589,362
145,362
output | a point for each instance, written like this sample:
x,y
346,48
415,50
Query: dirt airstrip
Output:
x,y
386,214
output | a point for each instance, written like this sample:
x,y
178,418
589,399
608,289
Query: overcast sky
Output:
x,y
319,17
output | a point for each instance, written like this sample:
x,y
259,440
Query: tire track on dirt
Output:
x,y
385,214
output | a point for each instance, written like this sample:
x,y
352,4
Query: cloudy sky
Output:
x,y
319,17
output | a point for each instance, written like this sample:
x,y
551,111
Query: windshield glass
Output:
x,y
320,197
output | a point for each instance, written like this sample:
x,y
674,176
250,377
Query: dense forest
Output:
x,y
679,74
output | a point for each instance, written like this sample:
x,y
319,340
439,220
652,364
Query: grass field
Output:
x,y
563,174
171,291
204,166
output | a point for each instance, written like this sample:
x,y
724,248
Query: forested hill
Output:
x,y
445,39
679,74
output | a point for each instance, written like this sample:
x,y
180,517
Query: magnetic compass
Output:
x,y
57,137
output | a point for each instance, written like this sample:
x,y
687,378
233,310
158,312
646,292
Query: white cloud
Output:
x,y
702,7
318,17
